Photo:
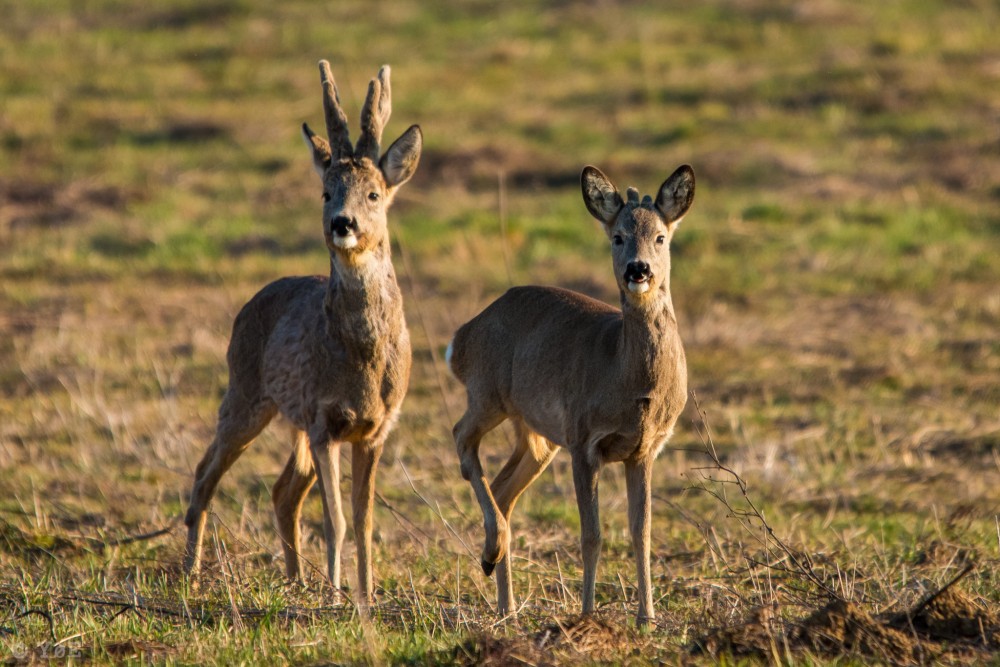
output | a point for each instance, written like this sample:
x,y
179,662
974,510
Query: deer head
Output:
x,y
358,186
639,230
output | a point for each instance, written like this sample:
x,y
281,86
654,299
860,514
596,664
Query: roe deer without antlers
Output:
x,y
331,354
606,384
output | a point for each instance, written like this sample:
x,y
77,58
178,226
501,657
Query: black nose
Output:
x,y
637,272
342,225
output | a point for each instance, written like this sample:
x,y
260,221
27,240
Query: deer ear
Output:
x,y
676,194
319,149
600,195
400,161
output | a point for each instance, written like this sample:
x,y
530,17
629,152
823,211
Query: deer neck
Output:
x,y
363,306
648,343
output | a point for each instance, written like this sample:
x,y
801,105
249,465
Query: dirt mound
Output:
x,y
949,623
953,616
752,638
837,629
486,649
843,627
584,636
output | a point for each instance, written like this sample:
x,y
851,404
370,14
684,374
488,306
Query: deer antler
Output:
x,y
336,119
374,115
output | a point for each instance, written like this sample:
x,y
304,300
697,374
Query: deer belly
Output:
x,y
345,425
547,418
641,433
618,447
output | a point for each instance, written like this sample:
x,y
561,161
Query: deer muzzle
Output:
x,y
344,232
637,276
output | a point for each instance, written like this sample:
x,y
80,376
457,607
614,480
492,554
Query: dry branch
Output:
x,y
752,518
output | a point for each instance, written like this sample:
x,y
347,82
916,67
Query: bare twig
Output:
x,y
44,614
141,537
923,604
435,362
223,563
752,518
436,510
407,524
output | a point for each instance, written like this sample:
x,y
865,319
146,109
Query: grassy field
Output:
x,y
837,285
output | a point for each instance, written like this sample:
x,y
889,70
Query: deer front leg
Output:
x,y
364,462
585,474
326,457
637,479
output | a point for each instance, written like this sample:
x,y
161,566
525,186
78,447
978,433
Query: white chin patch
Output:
x,y
345,242
638,288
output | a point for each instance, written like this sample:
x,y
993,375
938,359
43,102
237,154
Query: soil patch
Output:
x,y
947,625
844,627
582,637
953,616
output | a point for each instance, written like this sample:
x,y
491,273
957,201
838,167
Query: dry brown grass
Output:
x,y
836,285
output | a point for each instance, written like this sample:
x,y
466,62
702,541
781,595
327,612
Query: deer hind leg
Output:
x,y
238,426
531,456
326,456
469,432
289,494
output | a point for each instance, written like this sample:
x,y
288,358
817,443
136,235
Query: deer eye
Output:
x,y
660,239
373,196
617,240
326,196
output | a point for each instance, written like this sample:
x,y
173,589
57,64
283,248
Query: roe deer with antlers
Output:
x,y
330,353
570,371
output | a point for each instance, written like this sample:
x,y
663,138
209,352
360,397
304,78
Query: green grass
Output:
x,y
836,285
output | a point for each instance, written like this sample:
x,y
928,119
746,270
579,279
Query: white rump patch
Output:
x,y
638,288
447,355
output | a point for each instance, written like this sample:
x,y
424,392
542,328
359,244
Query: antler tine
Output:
x,y
385,101
375,115
336,119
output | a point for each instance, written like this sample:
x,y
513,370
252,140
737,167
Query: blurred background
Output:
x,y
836,280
